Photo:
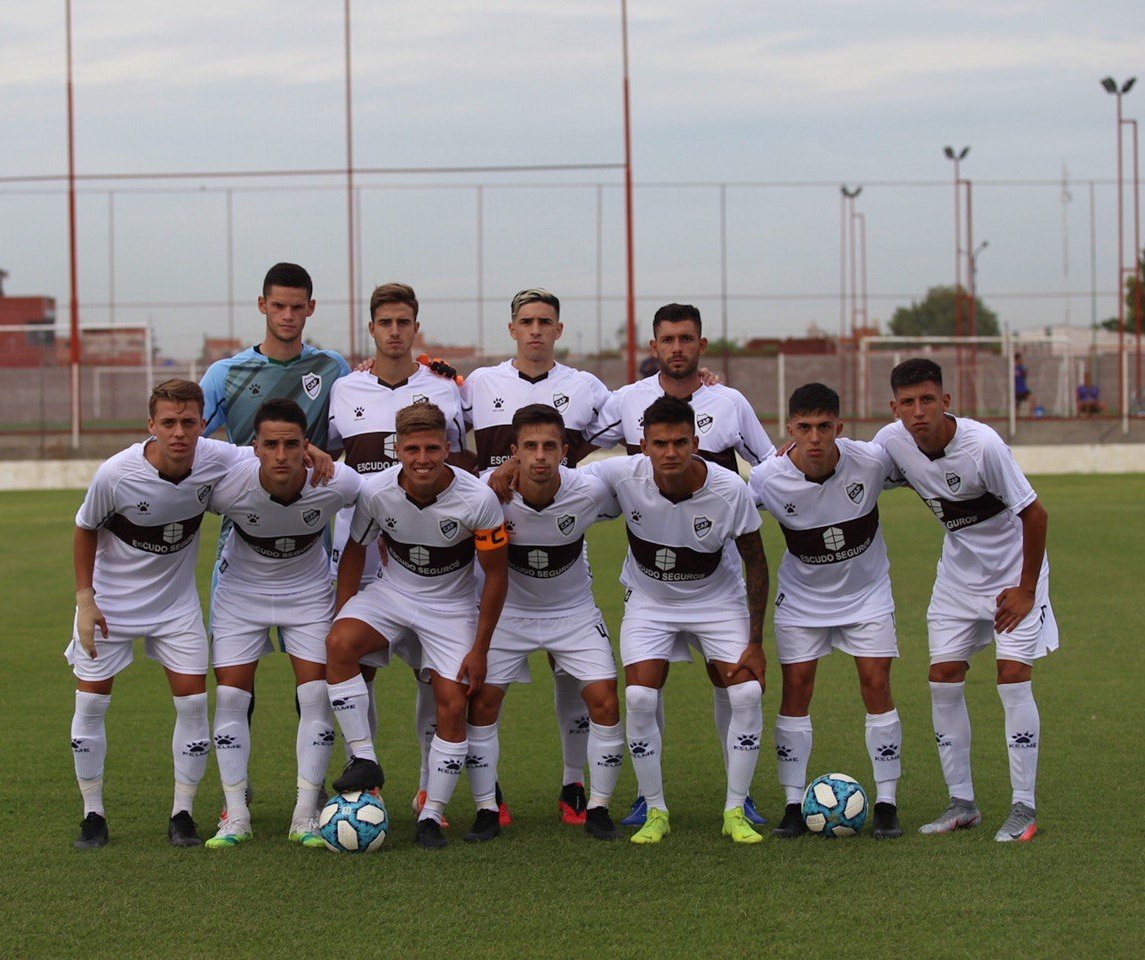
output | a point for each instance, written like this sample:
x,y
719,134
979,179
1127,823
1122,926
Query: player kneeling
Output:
x,y
274,573
834,592
549,607
434,520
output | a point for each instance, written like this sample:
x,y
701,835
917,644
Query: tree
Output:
x,y
935,316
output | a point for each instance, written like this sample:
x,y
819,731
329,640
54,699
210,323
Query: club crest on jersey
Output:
x,y
420,398
855,492
702,526
448,528
312,384
565,523
704,422
311,517
953,481
204,492
560,401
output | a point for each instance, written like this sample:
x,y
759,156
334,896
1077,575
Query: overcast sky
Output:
x,y
795,98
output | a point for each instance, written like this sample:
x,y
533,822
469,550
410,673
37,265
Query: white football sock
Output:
x,y
572,718
722,709
232,748
425,727
605,755
446,761
793,739
884,746
645,742
742,743
952,736
660,711
89,747
481,764
350,701
190,748
1023,733
371,718
313,745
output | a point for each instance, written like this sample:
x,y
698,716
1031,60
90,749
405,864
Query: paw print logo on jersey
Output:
x,y
634,516
887,751
498,403
197,748
640,748
1023,741
746,741
224,741
252,519
451,766
256,389
789,509
611,760
143,506
510,526
391,523
359,413
786,752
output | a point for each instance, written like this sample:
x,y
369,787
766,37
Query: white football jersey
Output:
x,y
149,531
835,570
549,574
493,394
431,547
275,548
362,412
681,554
725,422
976,490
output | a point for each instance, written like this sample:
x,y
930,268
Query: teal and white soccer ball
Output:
x,y
835,805
354,822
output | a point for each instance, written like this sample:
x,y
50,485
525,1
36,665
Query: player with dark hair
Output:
x,y
992,585
685,586
834,592
726,425
274,573
549,607
492,396
435,521
135,546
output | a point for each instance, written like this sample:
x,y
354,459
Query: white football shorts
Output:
x,y
799,644
241,623
651,631
180,645
578,643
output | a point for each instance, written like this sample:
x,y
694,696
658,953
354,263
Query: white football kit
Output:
x,y
549,605
147,547
682,570
725,422
976,490
834,587
273,571
362,412
426,594
493,394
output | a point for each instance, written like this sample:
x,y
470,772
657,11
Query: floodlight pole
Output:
x,y
74,334
630,299
350,251
850,275
1111,86
956,157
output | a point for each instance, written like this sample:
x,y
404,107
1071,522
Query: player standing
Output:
x,y
725,423
549,607
274,573
435,520
492,396
992,585
135,545
363,410
683,584
834,592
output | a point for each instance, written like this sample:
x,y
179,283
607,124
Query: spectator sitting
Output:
x,y
1088,398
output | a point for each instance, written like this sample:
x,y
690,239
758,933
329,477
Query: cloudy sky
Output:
x,y
783,101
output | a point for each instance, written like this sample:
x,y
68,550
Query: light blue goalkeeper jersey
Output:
x,y
234,389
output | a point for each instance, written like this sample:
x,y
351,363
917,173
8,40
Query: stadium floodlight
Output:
x,y
850,194
1110,85
1128,85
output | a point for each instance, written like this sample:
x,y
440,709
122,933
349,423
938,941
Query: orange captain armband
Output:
x,y
490,539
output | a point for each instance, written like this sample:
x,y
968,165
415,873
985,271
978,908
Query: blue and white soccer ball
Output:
x,y
835,805
354,822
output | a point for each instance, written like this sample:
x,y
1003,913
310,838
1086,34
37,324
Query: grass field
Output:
x,y
547,890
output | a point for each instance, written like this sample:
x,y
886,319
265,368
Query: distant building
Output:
x,y
27,348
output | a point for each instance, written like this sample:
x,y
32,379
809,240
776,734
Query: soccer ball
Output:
x,y
354,822
835,805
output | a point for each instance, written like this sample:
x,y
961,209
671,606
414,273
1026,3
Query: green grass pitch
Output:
x,y
547,890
